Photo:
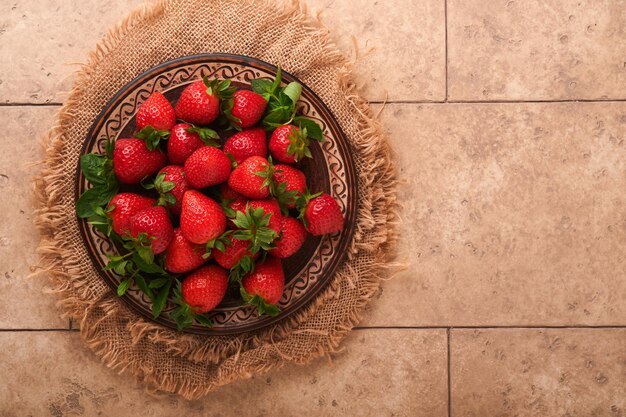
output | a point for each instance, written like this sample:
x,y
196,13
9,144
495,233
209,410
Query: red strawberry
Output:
x,y
182,255
271,207
133,161
157,112
173,174
155,222
264,286
232,201
201,218
126,206
291,238
246,143
289,144
232,253
196,105
248,107
204,289
321,214
250,178
182,143
295,184
207,166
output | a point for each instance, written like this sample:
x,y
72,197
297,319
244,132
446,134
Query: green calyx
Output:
x,y
98,171
253,227
184,314
244,267
267,173
224,90
163,188
262,307
301,203
218,243
152,137
285,198
208,136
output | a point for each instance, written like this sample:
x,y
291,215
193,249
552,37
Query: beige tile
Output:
x,y
408,37
513,215
19,149
579,372
381,373
536,50
41,42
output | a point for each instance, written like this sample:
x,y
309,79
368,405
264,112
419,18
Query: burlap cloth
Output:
x,y
162,358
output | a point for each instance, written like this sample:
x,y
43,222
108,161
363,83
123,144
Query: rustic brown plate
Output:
x,y
331,170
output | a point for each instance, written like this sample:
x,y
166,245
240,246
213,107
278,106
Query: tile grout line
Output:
x,y
448,334
445,13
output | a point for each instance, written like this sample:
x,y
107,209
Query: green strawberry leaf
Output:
x,y
123,286
152,137
91,199
161,299
143,286
158,282
313,130
293,91
204,320
208,136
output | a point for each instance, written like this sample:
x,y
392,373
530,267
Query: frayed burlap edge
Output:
x,y
377,218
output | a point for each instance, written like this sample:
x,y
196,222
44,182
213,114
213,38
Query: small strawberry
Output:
x,y
133,161
289,184
171,185
263,287
232,253
155,224
185,139
291,238
207,166
248,108
246,143
199,103
289,144
270,207
320,213
182,255
201,218
199,293
157,112
252,177
125,206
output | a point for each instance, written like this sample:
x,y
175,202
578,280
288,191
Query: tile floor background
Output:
x,y
508,120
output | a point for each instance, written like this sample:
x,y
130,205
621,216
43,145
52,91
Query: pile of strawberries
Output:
x,y
212,211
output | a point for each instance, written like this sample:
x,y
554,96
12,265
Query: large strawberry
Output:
x,y
264,287
199,103
320,213
252,177
199,293
289,184
153,226
207,166
201,218
270,207
133,161
157,112
248,108
182,255
247,143
234,250
171,185
123,206
292,237
289,144
185,139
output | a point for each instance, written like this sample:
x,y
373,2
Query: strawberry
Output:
x,y
264,287
199,102
133,161
248,108
232,253
289,144
291,239
199,293
155,223
126,205
245,144
289,184
320,213
182,255
201,218
207,166
185,139
171,185
252,177
157,112
270,207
